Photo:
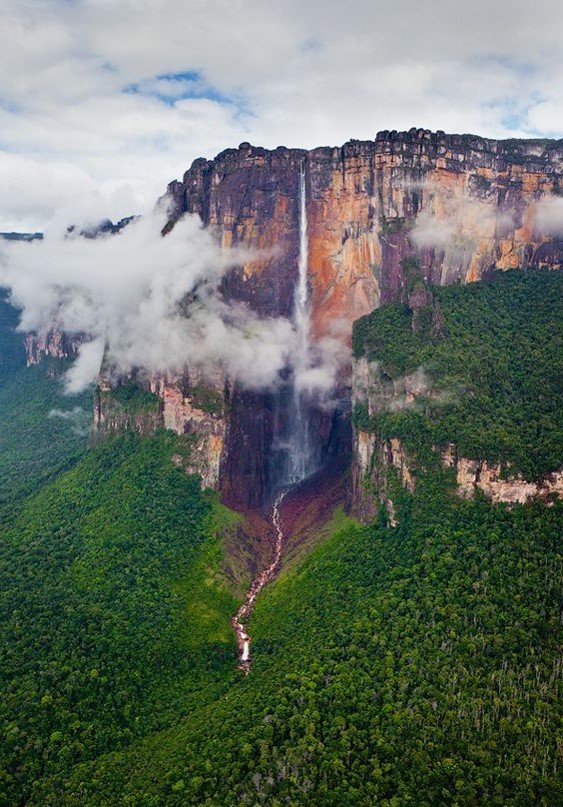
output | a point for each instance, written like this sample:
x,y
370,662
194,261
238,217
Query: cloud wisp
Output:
x,y
411,391
78,419
145,301
452,220
549,216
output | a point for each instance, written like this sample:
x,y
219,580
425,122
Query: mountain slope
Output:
x,y
42,431
12,352
409,665
105,599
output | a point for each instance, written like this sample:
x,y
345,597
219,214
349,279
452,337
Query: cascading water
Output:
x,y
294,453
245,610
301,460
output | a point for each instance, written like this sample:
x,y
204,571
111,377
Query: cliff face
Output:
x,y
459,205
472,475
191,405
379,463
55,343
374,458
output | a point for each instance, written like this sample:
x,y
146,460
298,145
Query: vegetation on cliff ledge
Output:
x,y
492,353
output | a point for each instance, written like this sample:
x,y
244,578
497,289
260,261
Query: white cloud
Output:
x,y
432,231
549,216
298,74
452,220
149,302
78,419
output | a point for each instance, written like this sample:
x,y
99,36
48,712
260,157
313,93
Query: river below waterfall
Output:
x,y
266,575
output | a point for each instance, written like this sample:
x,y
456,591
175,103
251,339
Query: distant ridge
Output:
x,y
21,236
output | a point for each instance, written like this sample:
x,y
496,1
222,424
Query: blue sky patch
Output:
x,y
173,87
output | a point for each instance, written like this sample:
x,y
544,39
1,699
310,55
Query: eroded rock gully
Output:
x,y
297,517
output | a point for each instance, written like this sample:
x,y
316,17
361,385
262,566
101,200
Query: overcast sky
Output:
x,y
102,102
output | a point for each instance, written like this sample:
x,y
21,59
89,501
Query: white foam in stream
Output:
x,y
245,610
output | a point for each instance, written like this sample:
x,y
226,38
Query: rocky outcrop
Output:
x,y
197,406
373,459
189,404
377,462
55,343
13,236
473,475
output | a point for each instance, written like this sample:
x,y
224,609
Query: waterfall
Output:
x,y
293,457
301,461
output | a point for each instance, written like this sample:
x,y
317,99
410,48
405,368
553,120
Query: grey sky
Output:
x,y
104,101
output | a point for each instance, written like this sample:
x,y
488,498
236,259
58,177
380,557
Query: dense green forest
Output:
x,y
493,355
101,571
417,665
12,352
43,431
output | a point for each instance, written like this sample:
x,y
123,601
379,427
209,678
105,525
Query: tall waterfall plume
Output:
x,y
301,458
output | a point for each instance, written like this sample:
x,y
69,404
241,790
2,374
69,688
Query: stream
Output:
x,y
244,612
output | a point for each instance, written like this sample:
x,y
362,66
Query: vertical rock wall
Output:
x,y
458,204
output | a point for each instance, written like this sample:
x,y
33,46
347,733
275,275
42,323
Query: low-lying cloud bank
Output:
x,y
452,220
146,301
549,216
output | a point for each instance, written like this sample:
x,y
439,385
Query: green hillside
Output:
x,y
43,431
407,666
12,352
101,624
